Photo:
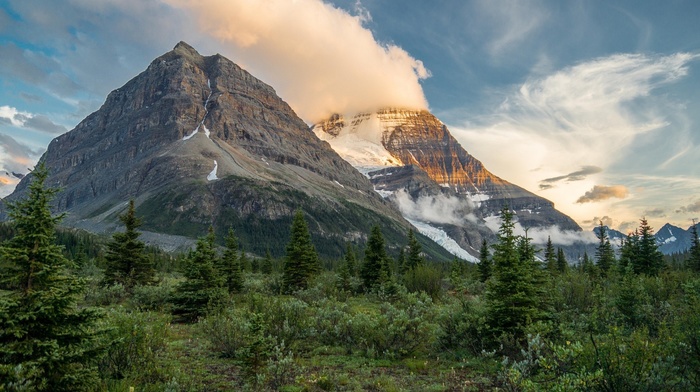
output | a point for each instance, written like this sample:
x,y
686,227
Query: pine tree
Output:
x,y
230,265
649,259
266,267
375,269
351,260
586,264
485,263
127,262
46,342
204,286
301,262
255,265
628,252
413,258
510,294
401,262
562,264
694,260
243,259
550,257
605,256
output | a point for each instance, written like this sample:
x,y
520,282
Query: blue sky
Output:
x,y
591,104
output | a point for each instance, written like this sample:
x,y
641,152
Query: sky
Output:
x,y
594,105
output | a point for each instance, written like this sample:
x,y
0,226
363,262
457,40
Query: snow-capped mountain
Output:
x,y
672,239
413,160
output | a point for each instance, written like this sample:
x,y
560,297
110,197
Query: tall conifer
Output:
x,y
375,269
127,262
301,262
46,342
485,263
605,256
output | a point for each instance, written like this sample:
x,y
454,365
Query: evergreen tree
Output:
x,y
47,343
550,257
649,259
243,259
485,263
562,264
401,261
628,252
375,269
343,282
266,267
255,265
302,260
127,262
203,288
586,264
605,256
694,260
510,295
413,258
351,260
230,265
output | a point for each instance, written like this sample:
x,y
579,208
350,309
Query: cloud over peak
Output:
x,y
319,58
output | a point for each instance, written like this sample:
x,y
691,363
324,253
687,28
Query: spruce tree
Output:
x,y
605,256
586,264
230,265
301,262
351,260
401,261
127,262
649,259
266,266
204,286
375,269
550,257
485,263
694,260
562,264
510,294
47,343
413,258
628,252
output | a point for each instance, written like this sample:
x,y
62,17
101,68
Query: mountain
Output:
x,y
672,239
198,141
616,237
413,160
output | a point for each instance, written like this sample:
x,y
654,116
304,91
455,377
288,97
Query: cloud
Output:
x,y
595,111
655,213
37,122
692,207
509,23
15,157
578,175
540,235
603,192
439,209
628,226
607,221
321,59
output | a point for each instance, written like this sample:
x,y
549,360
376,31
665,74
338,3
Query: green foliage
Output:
x,y
266,265
562,264
302,261
127,262
694,252
46,342
511,295
203,288
375,269
605,256
413,258
230,265
424,278
137,341
485,263
550,257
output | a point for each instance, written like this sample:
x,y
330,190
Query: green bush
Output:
x,y
154,298
462,328
227,332
138,341
106,295
425,278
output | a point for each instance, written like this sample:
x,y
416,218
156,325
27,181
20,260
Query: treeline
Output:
x,y
517,321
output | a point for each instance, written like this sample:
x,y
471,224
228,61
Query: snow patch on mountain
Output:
x,y
441,238
212,175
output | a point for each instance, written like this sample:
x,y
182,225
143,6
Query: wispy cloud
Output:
x,y
509,22
655,213
16,158
578,175
438,209
602,192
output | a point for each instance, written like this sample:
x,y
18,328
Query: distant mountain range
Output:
x,y
671,239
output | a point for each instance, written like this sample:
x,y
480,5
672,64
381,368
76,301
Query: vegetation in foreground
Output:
x,y
122,316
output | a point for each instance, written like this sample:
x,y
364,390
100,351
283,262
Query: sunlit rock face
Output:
x,y
412,150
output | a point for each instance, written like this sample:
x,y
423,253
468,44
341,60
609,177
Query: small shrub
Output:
x,y
227,332
155,298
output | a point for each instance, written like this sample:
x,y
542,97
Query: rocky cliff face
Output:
x,y
414,151
198,141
